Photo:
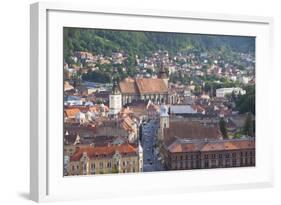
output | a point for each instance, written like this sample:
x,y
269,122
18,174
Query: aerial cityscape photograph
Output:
x,y
145,101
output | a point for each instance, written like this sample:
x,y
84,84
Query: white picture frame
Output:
x,y
46,178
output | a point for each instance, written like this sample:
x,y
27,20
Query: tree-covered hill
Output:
x,y
100,41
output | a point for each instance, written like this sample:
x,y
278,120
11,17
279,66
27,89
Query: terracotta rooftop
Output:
x,y
96,140
126,124
148,85
104,151
207,146
177,147
77,129
128,87
191,130
71,112
95,108
143,86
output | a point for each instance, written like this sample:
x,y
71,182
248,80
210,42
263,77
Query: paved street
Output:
x,y
151,163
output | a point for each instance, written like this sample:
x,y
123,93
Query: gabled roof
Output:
x,y
178,147
128,87
71,112
104,151
148,85
206,146
191,130
143,86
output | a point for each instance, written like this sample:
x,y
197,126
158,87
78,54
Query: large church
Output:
x,y
144,89
132,90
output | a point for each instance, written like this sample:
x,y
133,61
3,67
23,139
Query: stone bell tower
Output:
x,y
115,99
164,121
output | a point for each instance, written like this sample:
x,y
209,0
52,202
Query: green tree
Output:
x,y
223,129
76,79
246,103
97,76
144,43
197,90
249,125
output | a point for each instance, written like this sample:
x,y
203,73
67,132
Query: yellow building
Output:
x,y
121,158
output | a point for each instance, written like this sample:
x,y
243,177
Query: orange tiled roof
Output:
x,y
176,147
143,86
127,124
212,146
148,85
219,145
93,152
129,87
71,112
243,144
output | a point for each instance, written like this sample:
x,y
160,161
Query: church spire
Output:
x,y
115,87
162,72
115,98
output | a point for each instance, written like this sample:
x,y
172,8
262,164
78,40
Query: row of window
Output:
x,y
229,163
94,171
84,172
108,164
214,156
215,163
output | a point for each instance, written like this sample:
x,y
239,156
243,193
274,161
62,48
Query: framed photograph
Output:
x,y
135,102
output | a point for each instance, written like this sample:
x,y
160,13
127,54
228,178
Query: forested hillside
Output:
x,y
144,43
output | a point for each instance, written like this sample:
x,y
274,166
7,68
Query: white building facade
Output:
x,y
222,92
115,100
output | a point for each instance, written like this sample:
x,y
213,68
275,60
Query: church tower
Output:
x,y
164,117
115,99
162,74
164,121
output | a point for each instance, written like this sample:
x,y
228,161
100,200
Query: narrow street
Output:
x,y
150,158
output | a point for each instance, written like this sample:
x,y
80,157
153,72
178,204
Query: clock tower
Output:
x,y
115,99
